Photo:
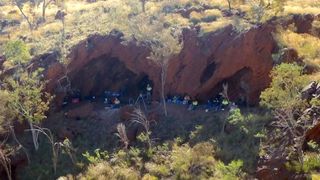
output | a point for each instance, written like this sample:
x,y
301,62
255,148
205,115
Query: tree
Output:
x,y
229,4
163,42
285,88
262,8
28,100
283,97
6,118
278,6
258,9
45,4
233,2
20,4
162,49
143,5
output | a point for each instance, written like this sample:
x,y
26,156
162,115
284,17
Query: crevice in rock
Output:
x,y
208,72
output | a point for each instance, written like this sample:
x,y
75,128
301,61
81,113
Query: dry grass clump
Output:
x,y
177,19
302,7
209,15
52,28
214,26
307,45
301,10
10,13
104,170
214,3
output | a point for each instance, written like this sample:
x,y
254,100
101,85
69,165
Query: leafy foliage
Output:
x,y
311,162
284,91
290,126
178,162
28,100
17,52
231,171
5,113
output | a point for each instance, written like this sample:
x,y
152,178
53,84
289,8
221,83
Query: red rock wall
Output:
x,y
199,70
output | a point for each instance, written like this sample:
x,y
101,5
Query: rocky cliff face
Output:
x,y
103,62
242,60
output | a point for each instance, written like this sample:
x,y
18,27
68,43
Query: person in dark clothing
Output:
x,y
116,103
193,105
65,101
149,93
75,96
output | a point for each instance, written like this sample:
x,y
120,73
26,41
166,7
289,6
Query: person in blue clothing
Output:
x,y
175,99
186,100
216,105
209,106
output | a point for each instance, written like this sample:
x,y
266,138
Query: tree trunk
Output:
x,y
300,149
229,4
25,17
44,11
34,136
6,164
163,82
143,3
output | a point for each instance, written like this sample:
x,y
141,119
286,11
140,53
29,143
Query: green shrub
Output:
x,y
17,52
231,171
311,163
284,91
97,157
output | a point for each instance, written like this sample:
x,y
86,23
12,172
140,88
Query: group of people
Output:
x,y
112,100
217,104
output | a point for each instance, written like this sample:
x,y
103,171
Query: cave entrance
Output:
x,y
238,88
108,74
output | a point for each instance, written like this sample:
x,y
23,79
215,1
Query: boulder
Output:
x,y
290,55
308,92
60,15
273,169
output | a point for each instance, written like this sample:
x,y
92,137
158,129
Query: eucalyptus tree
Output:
x,y
164,42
